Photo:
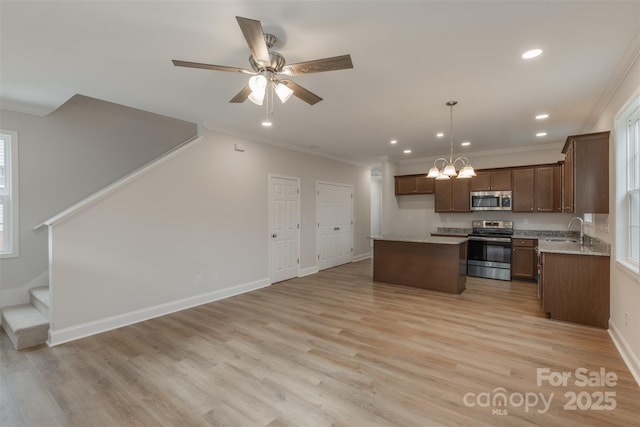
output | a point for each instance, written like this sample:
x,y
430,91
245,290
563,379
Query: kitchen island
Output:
x,y
433,263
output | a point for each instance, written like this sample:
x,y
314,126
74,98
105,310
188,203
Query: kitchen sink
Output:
x,y
560,239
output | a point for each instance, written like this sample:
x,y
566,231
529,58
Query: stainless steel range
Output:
x,y
490,249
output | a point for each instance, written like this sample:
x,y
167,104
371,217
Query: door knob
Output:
x,y
274,235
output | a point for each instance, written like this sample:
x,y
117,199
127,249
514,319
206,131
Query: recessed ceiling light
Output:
x,y
465,144
407,151
531,53
393,141
542,116
266,123
439,134
541,134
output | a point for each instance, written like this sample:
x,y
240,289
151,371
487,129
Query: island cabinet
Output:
x,y
575,288
413,184
537,189
524,259
433,263
452,195
491,180
586,173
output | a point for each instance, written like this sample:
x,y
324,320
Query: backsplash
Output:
x,y
538,234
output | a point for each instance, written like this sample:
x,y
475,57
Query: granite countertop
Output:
x,y
592,246
597,248
421,239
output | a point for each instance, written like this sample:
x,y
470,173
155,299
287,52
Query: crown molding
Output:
x,y
631,56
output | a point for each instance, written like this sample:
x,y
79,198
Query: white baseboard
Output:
x,y
20,295
103,325
361,257
313,270
630,358
308,271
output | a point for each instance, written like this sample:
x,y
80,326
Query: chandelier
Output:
x,y
447,168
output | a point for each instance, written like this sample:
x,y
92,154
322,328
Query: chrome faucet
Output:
x,y
581,228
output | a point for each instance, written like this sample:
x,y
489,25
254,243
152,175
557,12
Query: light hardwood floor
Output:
x,y
334,349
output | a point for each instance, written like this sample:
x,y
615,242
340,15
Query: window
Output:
x,y
628,184
8,194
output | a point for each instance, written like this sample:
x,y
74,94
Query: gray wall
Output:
x,y
202,212
69,154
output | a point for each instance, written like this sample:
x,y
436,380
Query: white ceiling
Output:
x,y
410,58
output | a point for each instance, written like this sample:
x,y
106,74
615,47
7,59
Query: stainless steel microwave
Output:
x,y
491,200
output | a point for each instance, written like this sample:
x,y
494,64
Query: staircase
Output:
x,y
27,325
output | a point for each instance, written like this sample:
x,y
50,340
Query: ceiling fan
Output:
x,y
268,65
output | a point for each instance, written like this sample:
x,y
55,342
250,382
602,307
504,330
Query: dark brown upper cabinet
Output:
x,y
491,180
586,173
537,189
452,195
413,184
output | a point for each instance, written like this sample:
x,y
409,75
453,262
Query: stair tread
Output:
x,y
23,317
41,294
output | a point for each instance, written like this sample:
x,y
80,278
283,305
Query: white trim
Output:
x,y
120,183
308,271
624,66
621,202
630,359
628,268
270,176
12,232
26,108
524,149
72,333
361,257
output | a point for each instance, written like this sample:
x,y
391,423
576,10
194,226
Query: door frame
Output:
x,y
337,184
271,176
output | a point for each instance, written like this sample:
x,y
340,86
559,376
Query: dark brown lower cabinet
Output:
x,y
575,288
434,266
524,259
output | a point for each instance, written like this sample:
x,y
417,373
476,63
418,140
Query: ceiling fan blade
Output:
x,y
302,93
242,95
252,31
319,65
188,64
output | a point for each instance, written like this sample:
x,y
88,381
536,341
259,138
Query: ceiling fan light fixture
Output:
x,y
258,82
283,92
257,96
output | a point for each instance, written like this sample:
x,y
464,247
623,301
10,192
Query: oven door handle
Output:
x,y
490,239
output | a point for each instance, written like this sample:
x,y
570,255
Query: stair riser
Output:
x,y
28,337
39,306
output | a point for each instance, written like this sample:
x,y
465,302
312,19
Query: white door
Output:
x,y
284,227
335,224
